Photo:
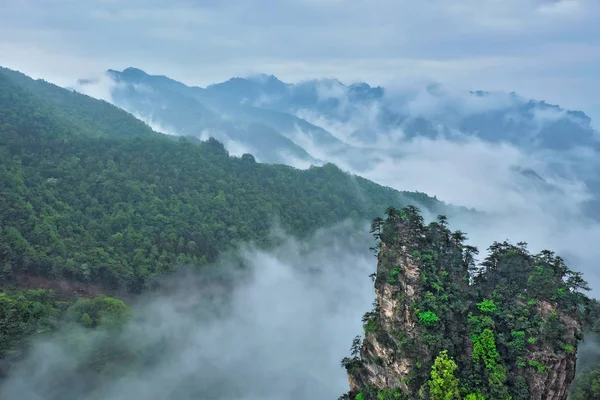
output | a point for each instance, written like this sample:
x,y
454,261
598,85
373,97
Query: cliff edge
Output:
x,y
446,328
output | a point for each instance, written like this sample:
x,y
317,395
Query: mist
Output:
x,y
548,211
262,325
280,331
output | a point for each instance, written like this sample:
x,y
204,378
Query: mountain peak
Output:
x,y
364,90
432,311
265,79
128,73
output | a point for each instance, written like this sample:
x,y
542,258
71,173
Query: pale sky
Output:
x,y
543,49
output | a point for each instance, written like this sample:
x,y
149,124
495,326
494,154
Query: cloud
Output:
x,y
540,48
100,87
436,101
464,170
269,325
548,213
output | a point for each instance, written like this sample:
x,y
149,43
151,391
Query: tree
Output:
x,y
376,226
442,220
443,384
587,385
356,344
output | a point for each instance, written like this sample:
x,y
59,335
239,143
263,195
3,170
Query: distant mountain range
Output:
x,y
357,125
275,119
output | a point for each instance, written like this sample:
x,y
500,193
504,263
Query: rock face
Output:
x,y
511,330
553,383
389,367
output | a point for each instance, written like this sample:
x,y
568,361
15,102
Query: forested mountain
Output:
x,y
362,127
90,193
264,99
92,201
443,327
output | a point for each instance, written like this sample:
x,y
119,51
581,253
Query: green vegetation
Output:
x,y
25,314
89,193
587,385
428,318
482,333
443,384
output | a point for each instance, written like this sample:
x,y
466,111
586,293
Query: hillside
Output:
x,y
443,328
89,193
94,201
362,128
368,111
82,114
188,111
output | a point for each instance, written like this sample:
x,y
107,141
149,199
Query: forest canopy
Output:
x,y
463,329
90,193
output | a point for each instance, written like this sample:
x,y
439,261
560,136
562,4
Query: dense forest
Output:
x,y
90,194
91,197
447,327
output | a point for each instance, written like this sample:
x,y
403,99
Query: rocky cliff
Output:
x,y
444,328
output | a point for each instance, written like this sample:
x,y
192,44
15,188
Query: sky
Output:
x,y
543,49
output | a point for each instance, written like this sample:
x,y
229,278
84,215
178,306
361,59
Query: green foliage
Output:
x,y
487,305
538,365
587,385
513,307
87,321
569,348
90,193
484,349
474,396
443,384
390,394
393,276
517,344
370,325
23,314
428,318
360,396
101,310
27,314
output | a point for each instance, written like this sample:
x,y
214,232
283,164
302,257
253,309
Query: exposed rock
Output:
x,y
509,338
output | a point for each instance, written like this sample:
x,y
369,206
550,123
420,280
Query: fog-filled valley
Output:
x,y
327,200
529,166
262,326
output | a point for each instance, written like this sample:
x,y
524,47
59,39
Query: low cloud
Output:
x,y
537,196
444,103
547,211
269,325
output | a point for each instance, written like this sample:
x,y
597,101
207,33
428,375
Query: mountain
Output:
x,y
325,120
90,193
490,116
92,201
443,329
193,111
51,104
365,129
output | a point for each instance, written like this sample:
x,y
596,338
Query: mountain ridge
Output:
x,y
559,129
71,158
